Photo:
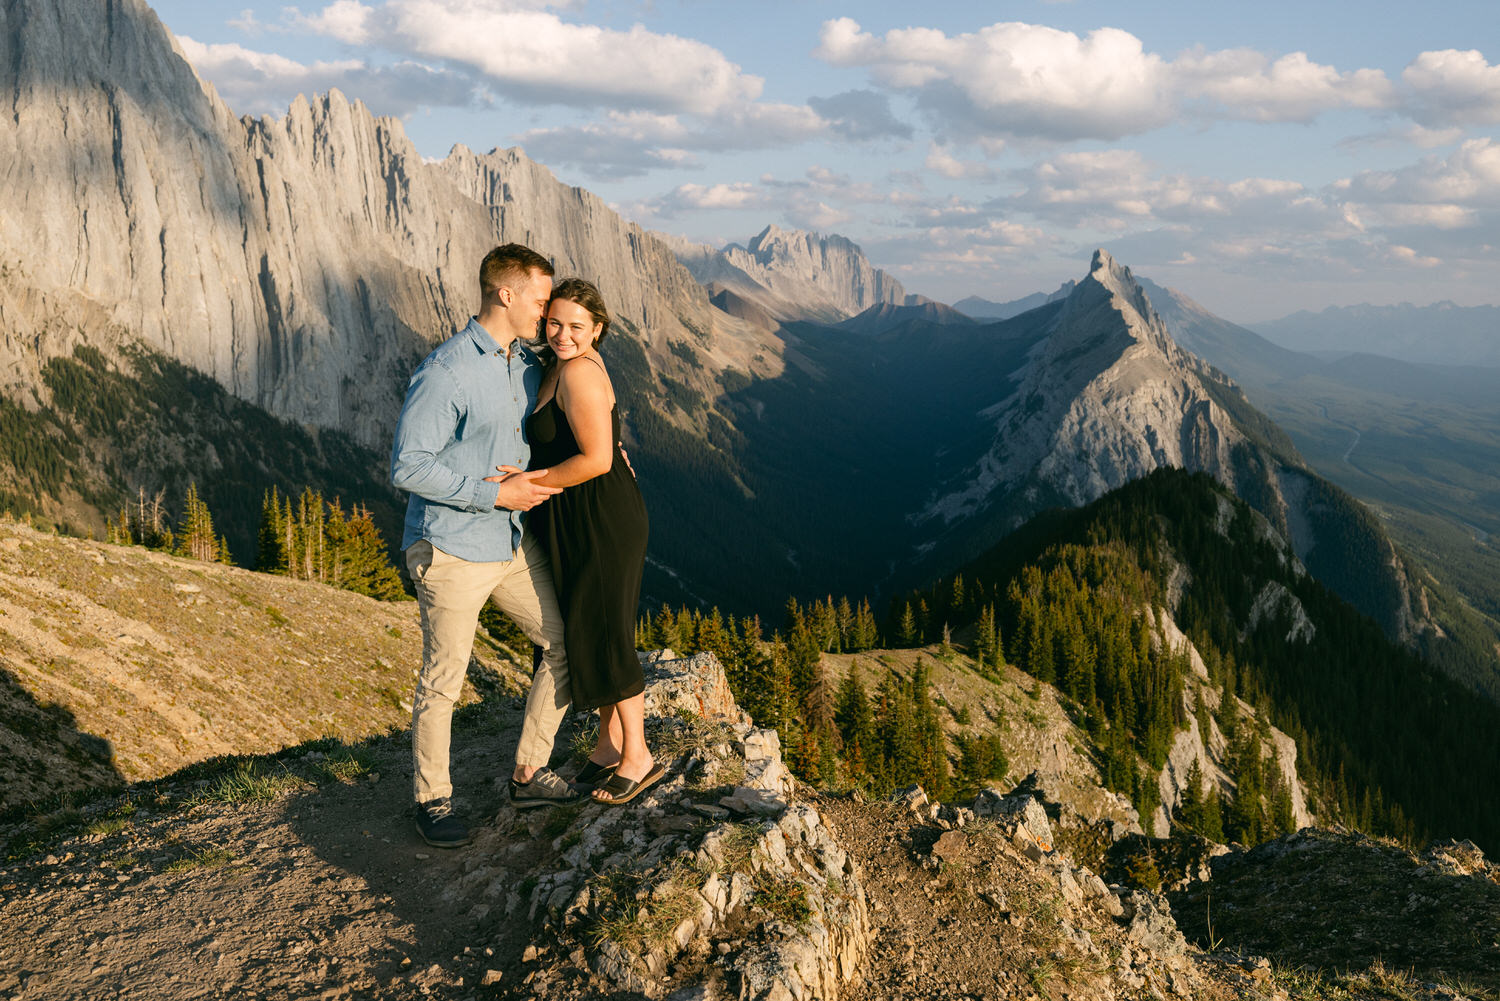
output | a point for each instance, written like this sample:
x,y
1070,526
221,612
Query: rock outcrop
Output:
x,y
1334,899
665,896
1106,397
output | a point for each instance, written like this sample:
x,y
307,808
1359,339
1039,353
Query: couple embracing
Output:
x,y
495,425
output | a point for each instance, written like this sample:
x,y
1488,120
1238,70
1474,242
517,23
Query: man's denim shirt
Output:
x,y
464,415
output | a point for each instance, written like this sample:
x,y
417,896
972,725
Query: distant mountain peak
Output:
x,y
791,275
1106,397
1140,317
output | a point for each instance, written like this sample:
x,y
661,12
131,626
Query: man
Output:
x,y
463,417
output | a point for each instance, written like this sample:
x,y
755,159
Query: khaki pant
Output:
x,y
451,592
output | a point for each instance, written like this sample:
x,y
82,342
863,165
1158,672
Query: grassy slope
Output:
x,y
124,664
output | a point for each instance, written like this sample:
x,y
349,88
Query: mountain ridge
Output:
x,y
795,275
987,309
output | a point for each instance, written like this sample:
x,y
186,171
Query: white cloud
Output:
x,y
247,23
346,20
1027,80
738,195
941,161
524,51
1469,176
1458,192
255,82
821,199
1452,87
1246,84
1014,78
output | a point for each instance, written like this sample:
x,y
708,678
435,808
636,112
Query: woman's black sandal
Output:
x,y
592,774
623,790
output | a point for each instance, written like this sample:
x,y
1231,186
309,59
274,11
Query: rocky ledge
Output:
x,y
718,880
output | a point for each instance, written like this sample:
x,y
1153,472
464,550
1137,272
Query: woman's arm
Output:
x,y
584,388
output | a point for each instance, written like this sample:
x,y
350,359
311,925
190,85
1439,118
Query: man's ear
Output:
x,y
505,295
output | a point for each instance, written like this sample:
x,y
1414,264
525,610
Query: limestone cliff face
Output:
x,y
794,275
1105,398
305,263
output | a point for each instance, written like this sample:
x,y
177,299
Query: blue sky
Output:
x,y
1261,158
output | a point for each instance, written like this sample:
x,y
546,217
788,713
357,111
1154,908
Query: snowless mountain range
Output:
x,y
306,263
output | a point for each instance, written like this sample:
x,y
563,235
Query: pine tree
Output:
x,y
366,567
1244,823
195,535
907,627
844,615
855,720
270,554
1189,812
866,636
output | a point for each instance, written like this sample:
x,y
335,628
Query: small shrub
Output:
x,y
1141,870
784,899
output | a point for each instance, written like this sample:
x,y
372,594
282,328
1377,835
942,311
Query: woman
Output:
x,y
595,531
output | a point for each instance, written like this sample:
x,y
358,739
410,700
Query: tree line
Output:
x,y
1386,742
312,538
836,730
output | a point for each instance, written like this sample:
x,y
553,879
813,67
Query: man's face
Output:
x,y
530,303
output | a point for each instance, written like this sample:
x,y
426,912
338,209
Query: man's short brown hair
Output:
x,y
510,264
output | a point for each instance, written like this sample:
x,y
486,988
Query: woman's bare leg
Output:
x,y
635,760
611,740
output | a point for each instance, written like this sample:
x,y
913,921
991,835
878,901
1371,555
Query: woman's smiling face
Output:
x,y
571,330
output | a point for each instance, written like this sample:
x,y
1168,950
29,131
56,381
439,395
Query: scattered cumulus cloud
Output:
x,y
1244,83
738,195
264,83
1442,192
1020,80
629,143
941,161
820,199
1453,88
346,20
1014,79
526,51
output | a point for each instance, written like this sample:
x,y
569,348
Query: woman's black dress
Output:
x,y
595,533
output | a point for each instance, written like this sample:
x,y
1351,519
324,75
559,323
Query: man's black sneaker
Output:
x,y
438,826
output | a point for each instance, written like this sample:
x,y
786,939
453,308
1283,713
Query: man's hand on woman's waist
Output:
x,y
517,490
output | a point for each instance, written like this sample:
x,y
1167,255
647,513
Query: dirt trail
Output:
x,y
325,892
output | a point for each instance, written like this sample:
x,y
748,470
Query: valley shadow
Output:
x,y
49,762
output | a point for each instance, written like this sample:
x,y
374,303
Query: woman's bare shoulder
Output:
x,y
580,373
585,377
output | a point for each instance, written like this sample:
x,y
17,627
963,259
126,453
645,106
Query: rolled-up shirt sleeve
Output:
x,y
429,422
